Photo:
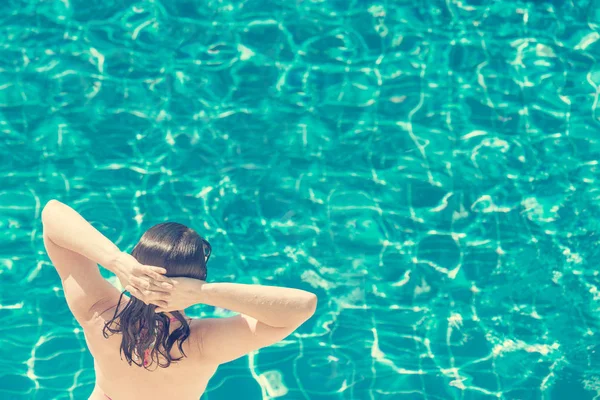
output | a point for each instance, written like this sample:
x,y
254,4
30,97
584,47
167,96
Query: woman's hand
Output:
x,y
185,294
145,282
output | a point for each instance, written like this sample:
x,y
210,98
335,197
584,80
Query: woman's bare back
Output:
x,y
212,341
115,378
267,314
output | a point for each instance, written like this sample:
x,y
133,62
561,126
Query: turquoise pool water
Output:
x,y
429,169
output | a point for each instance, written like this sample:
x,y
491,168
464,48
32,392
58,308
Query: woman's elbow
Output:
x,y
311,305
48,207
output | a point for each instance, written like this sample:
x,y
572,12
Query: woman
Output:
x,y
144,346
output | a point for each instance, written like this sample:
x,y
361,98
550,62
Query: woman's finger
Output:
x,y
159,270
153,296
132,290
140,283
147,283
159,278
158,290
161,286
136,293
157,273
149,296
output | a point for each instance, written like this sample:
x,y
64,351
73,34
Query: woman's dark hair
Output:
x,y
182,252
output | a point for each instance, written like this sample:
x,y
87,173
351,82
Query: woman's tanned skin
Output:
x,y
267,314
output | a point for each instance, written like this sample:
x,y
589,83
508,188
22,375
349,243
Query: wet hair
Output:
x,y
183,253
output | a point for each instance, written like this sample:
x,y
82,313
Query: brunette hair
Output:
x,y
183,253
